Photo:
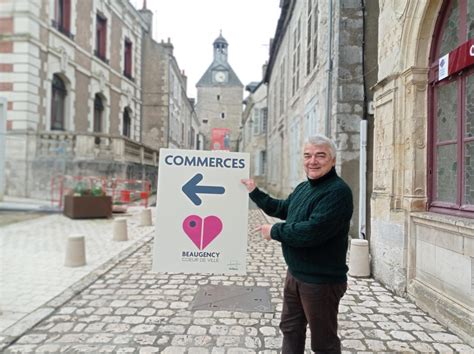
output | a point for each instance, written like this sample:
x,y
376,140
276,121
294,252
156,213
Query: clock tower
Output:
x,y
219,101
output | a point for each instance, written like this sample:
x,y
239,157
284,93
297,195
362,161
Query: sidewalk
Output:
x,y
126,308
32,255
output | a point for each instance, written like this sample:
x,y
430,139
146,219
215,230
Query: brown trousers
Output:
x,y
313,304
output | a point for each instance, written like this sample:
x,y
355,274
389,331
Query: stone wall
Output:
x,y
425,254
306,112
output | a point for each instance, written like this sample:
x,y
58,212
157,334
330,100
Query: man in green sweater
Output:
x,y
314,240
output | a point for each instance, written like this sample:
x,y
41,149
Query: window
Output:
x,y
62,17
192,138
205,121
98,113
264,119
309,39
282,88
311,35
101,37
295,75
127,70
127,123
58,103
451,116
218,97
222,115
294,151
256,122
315,32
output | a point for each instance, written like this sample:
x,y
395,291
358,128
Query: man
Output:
x,y
314,240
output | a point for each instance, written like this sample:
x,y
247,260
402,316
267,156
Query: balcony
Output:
x,y
93,146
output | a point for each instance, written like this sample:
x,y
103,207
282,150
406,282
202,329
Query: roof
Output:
x,y
206,79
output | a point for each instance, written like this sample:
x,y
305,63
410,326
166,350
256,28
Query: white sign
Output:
x,y
443,66
202,209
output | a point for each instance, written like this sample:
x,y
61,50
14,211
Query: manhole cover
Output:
x,y
233,298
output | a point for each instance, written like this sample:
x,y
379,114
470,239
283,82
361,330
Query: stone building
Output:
x,y
170,119
316,84
219,96
422,239
253,137
71,73
78,101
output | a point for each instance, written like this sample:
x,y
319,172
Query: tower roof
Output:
x,y
220,39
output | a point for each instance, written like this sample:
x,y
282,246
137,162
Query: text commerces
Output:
x,y
198,161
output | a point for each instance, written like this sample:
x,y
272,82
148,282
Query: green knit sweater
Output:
x,y
314,237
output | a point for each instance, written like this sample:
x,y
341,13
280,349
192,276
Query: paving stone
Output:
x,y
422,347
398,346
402,335
353,344
443,337
375,345
130,309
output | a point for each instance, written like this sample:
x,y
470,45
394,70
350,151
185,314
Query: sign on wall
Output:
x,y
220,139
202,208
456,60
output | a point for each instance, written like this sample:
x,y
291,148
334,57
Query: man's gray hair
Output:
x,y
320,139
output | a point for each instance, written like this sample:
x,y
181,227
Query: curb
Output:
x,y
11,334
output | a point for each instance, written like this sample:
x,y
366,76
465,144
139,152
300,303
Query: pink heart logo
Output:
x,y
202,235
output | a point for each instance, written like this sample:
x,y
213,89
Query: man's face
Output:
x,y
317,160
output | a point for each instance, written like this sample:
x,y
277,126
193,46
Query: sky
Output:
x,y
193,25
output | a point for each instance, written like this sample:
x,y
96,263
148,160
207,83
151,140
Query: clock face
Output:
x,y
220,76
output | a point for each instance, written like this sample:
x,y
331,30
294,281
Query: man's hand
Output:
x,y
249,183
265,231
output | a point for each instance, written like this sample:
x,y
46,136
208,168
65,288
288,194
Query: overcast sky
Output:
x,y
193,25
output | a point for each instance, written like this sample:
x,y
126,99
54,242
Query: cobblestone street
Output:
x,y
130,309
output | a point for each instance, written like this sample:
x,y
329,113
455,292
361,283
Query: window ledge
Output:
x,y
62,30
443,220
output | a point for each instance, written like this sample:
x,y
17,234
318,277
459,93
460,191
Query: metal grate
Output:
x,y
233,298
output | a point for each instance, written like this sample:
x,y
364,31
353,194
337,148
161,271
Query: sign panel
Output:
x,y
456,60
443,66
220,139
202,208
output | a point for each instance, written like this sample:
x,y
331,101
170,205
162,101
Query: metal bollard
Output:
x,y
359,258
75,251
120,230
145,217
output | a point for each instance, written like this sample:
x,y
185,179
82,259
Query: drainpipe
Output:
x,y
362,178
363,143
169,102
329,72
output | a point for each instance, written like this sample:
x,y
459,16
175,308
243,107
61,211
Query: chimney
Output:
x,y
147,16
264,69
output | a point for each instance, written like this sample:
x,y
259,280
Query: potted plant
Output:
x,y
83,202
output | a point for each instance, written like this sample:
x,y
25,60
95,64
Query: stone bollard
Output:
x,y
75,251
145,217
359,258
120,230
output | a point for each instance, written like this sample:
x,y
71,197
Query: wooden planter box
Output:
x,y
87,206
